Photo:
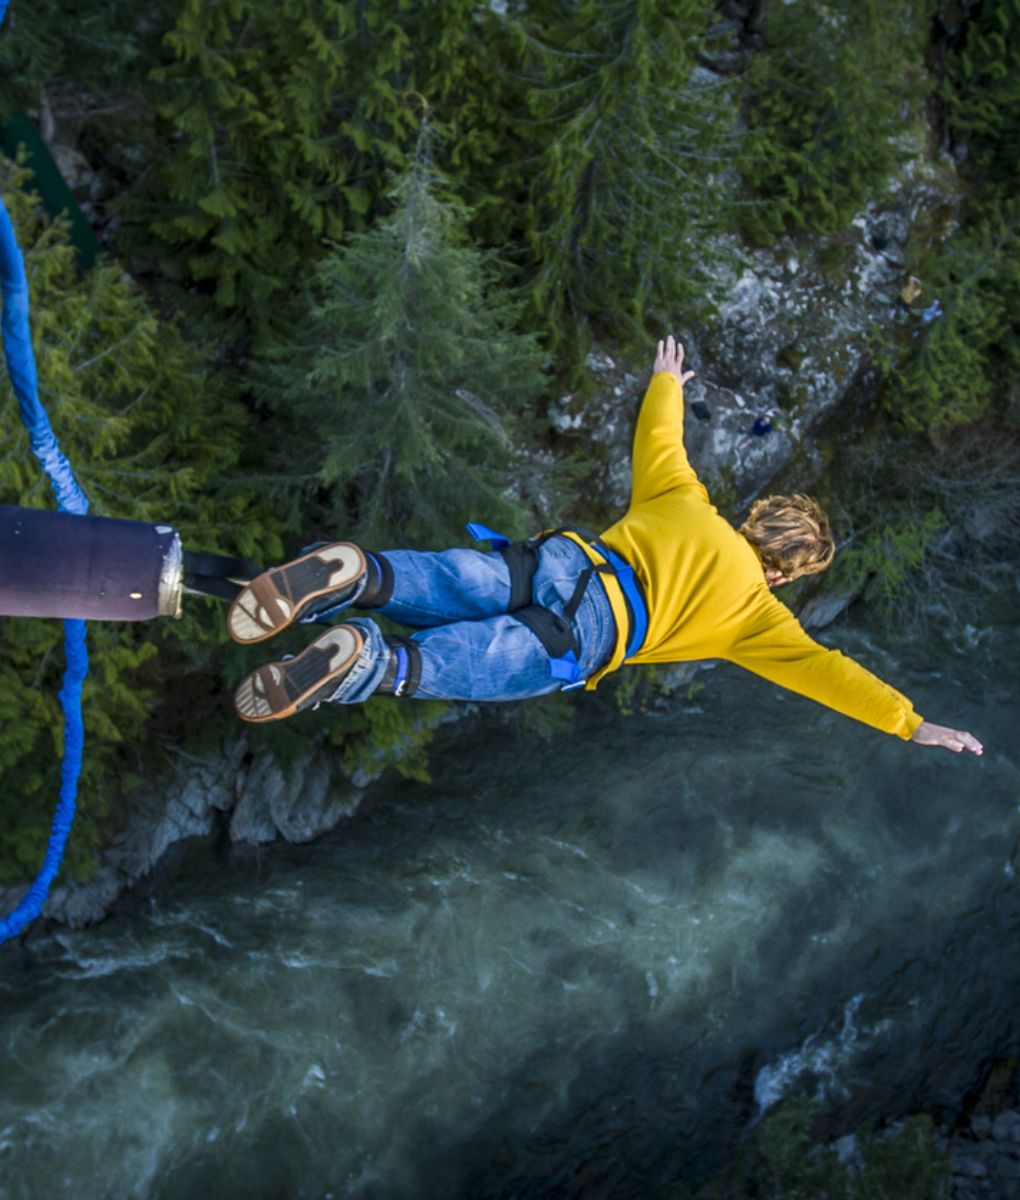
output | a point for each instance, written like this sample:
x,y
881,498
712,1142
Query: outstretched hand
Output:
x,y
670,357
927,734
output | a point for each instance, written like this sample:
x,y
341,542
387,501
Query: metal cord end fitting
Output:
x,y
171,576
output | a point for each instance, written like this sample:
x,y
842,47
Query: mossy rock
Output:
x,y
784,1160
835,258
790,357
791,400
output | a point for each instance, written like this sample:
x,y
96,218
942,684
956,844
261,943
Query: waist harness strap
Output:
x,y
553,631
521,559
637,610
619,569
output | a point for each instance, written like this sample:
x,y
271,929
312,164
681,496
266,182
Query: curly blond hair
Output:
x,y
791,534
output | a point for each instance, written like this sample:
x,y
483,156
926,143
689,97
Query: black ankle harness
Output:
x,y
403,671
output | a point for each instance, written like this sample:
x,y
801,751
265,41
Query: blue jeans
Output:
x,y
471,648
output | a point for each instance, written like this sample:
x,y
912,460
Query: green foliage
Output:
x,y
382,733
981,90
279,127
928,502
638,688
406,379
955,369
963,366
93,44
598,156
924,526
883,563
278,124
784,1161
622,157
462,70
151,434
548,718
825,99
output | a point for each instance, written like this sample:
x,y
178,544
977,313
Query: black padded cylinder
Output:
x,y
55,564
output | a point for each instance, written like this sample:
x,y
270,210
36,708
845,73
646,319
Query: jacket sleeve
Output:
x,y
779,650
660,462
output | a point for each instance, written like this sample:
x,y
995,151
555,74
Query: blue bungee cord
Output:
x,y
17,339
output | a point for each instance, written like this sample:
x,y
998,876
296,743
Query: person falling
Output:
x,y
671,581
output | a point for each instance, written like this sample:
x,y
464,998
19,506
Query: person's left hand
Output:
x,y
670,357
927,734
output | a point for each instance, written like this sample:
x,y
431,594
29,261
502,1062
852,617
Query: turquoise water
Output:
x,y
582,968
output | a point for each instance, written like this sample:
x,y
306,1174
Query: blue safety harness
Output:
x,y
637,610
554,631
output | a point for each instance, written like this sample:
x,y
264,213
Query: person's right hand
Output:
x,y
927,734
670,357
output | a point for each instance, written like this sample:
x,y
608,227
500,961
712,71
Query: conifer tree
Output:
x,y
963,364
279,124
981,89
624,155
98,47
407,378
464,67
153,435
825,100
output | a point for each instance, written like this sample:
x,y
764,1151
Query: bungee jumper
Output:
x,y
671,581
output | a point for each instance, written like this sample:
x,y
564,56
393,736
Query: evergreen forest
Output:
x,y
327,264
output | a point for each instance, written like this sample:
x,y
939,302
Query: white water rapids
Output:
x,y
579,968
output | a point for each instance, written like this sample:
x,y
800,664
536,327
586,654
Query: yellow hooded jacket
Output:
x,y
705,587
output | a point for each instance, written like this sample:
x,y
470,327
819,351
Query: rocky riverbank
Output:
x,y
984,1156
249,795
911,1158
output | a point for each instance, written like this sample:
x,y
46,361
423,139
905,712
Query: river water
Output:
x,y
572,969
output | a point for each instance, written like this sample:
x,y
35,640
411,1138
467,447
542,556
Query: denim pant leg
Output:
x,y
498,658
436,588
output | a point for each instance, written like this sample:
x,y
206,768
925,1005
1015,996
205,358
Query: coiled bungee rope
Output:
x,y
17,339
